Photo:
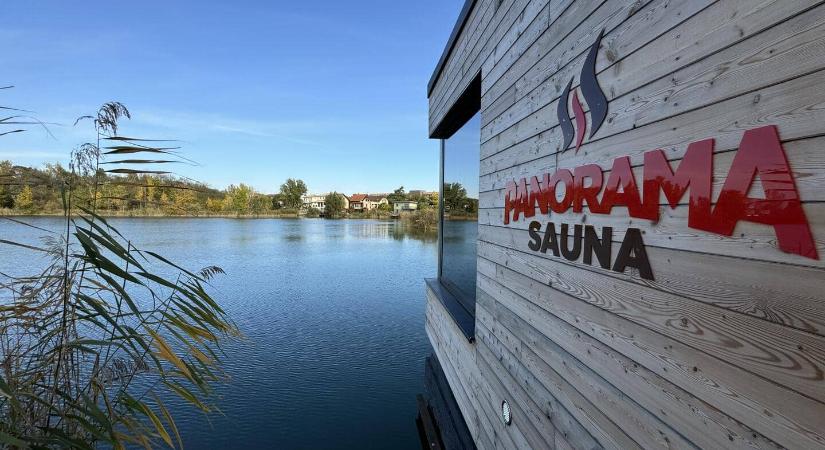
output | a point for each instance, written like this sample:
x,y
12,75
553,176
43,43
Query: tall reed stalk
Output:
x,y
94,345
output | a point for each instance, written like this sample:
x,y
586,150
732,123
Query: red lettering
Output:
x,y
761,154
509,200
621,176
561,176
539,193
523,200
694,172
589,194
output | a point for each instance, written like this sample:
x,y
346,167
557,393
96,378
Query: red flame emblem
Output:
x,y
593,95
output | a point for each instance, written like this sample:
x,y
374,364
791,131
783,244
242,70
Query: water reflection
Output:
x,y
333,317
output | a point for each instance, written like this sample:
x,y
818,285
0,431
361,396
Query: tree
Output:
x,y
238,199
334,205
186,202
278,201
397,195
291,191
214,206
455,196
260,204
6,174
25,199
433,198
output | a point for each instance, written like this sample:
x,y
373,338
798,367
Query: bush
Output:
x,y
422,219
312,213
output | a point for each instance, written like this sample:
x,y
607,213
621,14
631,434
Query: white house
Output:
x,y
319,201
404,206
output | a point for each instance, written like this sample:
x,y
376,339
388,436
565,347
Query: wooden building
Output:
x,y
646,270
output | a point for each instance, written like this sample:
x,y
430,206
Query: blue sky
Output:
x,y
330,91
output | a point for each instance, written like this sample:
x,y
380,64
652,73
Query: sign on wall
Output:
x,y
760,156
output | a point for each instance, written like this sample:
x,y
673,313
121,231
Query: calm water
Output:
x,y
333,318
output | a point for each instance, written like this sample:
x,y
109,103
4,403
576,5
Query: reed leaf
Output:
x,y
94,319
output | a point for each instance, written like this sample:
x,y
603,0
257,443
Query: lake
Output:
x,y
332,314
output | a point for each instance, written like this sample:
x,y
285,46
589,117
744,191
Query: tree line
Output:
x,y
27,190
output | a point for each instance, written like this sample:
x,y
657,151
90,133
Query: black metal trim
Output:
x,y
466,322
441,211
459,26
467,105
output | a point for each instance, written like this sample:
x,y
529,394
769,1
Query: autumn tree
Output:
x,y
186,202
238,199
25,199
214,205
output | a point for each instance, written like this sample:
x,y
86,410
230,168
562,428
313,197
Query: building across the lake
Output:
x,y
374,201
356,202
646,269
319,201
404,206
366,202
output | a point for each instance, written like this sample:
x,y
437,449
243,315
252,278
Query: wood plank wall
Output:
x,y
726,348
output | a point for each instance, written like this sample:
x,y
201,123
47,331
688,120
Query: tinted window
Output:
x,y
459,225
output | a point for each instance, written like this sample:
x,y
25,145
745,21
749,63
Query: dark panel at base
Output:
x,y
439,421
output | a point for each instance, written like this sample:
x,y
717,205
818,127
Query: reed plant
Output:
x,y
95,345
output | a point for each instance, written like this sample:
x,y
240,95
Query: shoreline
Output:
x,y
221,216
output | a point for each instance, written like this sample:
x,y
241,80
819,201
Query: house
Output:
x,y
662,298
318,201
356,202
404,206
374,201
313,201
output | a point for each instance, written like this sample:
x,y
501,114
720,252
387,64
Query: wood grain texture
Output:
x,y
612,381
725,348
750,240
788,357
625,67
782,415
455,78
783,294
565,406
761,62
805,158
459,358
565,60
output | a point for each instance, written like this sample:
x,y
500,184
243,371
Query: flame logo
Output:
x,y
593,95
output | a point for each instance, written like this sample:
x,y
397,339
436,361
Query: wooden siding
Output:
x,y
726,347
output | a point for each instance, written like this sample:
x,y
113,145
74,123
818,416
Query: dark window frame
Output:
x,y
461,308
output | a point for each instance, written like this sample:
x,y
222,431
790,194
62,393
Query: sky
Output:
x,y
329,91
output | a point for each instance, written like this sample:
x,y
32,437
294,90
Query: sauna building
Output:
x,y
632,234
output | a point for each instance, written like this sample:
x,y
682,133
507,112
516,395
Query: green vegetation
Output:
x,y
291,192
103,317
25,190
456,202
397,195
334,206
425,219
